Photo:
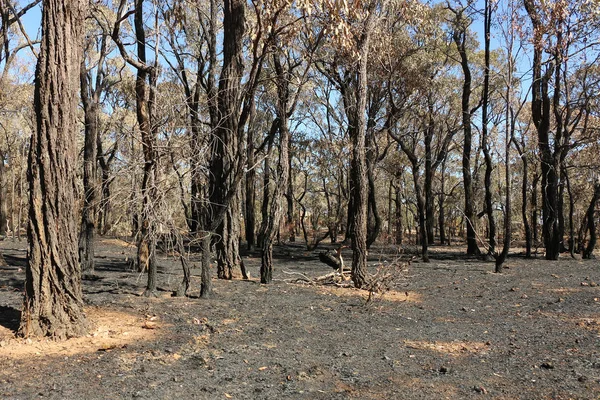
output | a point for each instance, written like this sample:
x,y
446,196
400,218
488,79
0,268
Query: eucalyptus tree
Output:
x,y
562,32
53,304
145,91
96,77
460,22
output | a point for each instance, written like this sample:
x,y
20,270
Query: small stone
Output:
x,y
593,284
582,378
547,365
444,370
480,389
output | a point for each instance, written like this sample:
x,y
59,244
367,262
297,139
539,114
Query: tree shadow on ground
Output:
x,y
10,318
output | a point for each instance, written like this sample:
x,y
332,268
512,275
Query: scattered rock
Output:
x,y
480,389
444,370
547,365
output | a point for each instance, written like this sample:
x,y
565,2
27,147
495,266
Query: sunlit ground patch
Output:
x,y
117,242
390,295
452,348
109,330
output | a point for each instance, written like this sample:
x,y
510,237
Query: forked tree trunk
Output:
x,y
53,303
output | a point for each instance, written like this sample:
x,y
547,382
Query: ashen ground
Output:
x,y
450,329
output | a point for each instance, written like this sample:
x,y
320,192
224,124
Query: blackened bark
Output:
x,y
460,38
484,134
225,163
441,204
290,221
373,217
541,115
53,303
398,216
589,250
571,242
534,207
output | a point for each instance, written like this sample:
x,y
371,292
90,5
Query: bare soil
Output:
x,y
449,329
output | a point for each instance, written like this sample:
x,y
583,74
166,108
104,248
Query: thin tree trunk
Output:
x,y
485,136
589,250
276,207
460,37
91,118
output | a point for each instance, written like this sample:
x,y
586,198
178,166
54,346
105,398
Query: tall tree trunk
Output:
x,y
358,165
541,115
429,170
484,133
225,157
460,37
276,207
91,118
53,304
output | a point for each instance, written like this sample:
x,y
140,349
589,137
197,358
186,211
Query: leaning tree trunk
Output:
x,y
53,303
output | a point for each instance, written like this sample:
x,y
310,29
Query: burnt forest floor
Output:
x,y
449,329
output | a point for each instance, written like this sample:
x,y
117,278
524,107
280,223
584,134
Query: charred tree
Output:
x,y
145,85
591,222
489,210
459,36
53,303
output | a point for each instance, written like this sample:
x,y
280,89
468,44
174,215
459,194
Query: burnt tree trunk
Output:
x,y
591,223
489,210
225,158
358,165
276,206
541,115
441,203
53,303
460,38
398,216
